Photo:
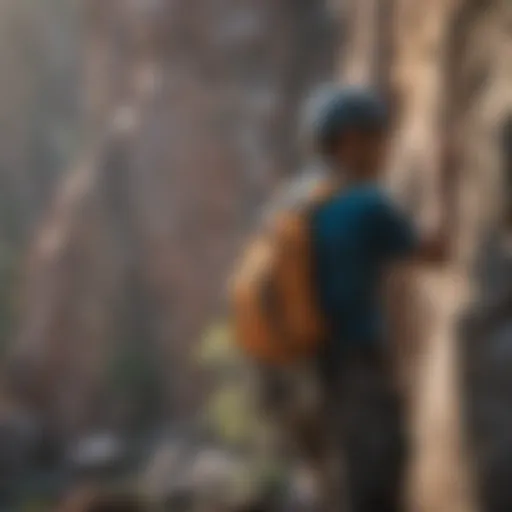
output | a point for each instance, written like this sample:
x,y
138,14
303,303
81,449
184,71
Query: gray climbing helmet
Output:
x,y
332,110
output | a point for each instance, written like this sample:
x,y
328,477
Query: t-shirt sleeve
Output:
x,y
394,235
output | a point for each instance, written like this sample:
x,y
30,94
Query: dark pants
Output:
x,y
366,413
350,431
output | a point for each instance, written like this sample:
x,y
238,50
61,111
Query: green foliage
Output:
x,y
230,413
217,351
229,410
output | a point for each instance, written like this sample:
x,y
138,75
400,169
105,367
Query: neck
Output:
x,y
346,173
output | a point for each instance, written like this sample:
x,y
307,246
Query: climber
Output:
x,y
307,306
360,231
356,236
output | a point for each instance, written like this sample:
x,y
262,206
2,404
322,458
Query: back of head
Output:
x,y
333,110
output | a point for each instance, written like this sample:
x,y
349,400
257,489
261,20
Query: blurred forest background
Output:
x,y
140,139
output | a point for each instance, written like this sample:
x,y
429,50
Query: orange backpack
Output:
x,y
276,316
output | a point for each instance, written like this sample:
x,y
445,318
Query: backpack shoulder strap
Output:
x,y
295,267
321,194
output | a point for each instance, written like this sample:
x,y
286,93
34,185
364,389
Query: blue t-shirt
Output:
x,y
355,235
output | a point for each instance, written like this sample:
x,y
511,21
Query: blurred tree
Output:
x,y
39,123
190,115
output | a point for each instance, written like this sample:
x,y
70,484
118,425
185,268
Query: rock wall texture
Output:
x,y
445,69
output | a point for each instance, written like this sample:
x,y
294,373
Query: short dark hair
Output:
x,y
346,108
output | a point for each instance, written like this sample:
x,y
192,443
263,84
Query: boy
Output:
x,y
356,235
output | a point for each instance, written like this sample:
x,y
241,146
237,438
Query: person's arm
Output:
x,y
434,244
397,238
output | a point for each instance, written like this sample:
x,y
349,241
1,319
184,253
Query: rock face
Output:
x,y
441,63
191,115
486,347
